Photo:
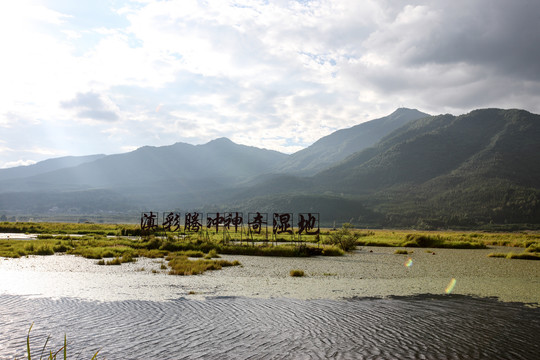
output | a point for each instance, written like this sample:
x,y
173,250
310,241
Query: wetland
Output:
x,y
371,302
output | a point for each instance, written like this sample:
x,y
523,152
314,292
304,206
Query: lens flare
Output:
x,y
408,263
450,286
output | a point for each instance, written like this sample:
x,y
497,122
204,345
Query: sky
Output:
x,y
104,77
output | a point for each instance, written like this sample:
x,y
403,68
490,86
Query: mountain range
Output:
x,y
408,169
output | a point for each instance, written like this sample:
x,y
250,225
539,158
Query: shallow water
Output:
x,y
366,305
417,327
362,274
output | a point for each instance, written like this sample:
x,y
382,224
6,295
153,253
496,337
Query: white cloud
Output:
x,y
93,106
278,74
4,149
10,164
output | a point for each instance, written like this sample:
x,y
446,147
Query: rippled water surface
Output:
x,y
417,327
371,304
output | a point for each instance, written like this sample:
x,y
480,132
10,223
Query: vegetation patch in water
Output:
x,y
438,241
181,265
297,273
401,252
523,256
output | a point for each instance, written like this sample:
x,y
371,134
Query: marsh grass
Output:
x,y
332,251
94,244
449,239
439,241
212,254
152,254
535,247
43,250
181,265
401,252
192,253
261,250
120,260
297,273
61,247
52,355
511,255
68,228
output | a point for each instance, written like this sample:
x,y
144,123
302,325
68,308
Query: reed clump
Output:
x,y
511,255
212,254
332,251
297,273
52,355
182,265
438,241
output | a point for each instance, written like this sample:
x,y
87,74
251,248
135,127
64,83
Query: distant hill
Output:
x,y
46,166
477,170
219,159
151,176
487,143
335,147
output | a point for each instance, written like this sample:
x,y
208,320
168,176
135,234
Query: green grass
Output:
x,y
68,228
447,239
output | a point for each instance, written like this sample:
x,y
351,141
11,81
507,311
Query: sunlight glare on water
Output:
x,y
408,263
450,286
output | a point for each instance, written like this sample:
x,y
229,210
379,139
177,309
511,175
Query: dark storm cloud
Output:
x,y
92,106
503,35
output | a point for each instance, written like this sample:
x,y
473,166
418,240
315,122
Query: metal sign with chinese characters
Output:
x,y
171,221
193,222
257,222
283,223
308,223
149,221
224,220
